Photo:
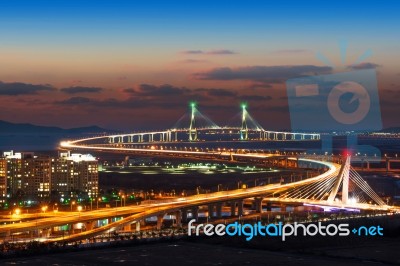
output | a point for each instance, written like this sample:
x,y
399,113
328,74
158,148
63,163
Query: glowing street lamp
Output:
x,y
98,199
17,211
79,210
44,208
123,200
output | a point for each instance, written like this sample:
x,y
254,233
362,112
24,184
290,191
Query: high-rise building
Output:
x,y
3,180
74,174
36,177
24,174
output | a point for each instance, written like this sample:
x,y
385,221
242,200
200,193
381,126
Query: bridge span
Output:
x,y
201,128
323,190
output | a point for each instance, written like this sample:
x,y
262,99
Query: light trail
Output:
x,y
133,214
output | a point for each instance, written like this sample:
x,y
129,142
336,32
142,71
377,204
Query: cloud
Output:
x,y
254,98
167,96
75,101
114,103
163,96
210,52
278,109
148,90
19,88
223,51
217,92
292,51
80,89
190,61
167,90
193,52
259,85
88,101
129,90
366,65
271,74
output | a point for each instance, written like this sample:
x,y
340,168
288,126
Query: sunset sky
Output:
x,y
136,65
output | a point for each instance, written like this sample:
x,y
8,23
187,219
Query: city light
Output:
x,y
17,211
352,200
72,203
97,202
129,128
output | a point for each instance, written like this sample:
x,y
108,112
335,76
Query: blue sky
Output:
x,y
120,45
198,19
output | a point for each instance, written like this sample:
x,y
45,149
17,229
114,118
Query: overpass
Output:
x,y
338,186
322,190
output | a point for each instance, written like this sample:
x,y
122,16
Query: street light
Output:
x,y
123,200
98,199
44,208
72,203
79,210
17,211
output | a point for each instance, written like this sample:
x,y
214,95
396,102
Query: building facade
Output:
x,y
24,175
74,174
3,180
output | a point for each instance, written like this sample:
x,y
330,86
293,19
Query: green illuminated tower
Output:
x,y
244,130
192,128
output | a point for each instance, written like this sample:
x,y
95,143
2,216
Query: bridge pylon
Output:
x,y
342,179
244,130
192,127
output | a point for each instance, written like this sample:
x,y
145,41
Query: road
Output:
x,y
134,213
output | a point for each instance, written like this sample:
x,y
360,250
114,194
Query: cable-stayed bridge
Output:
x,y
338,187
344,188
196,127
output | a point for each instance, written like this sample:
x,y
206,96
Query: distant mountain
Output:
x,y
29,129
28,137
